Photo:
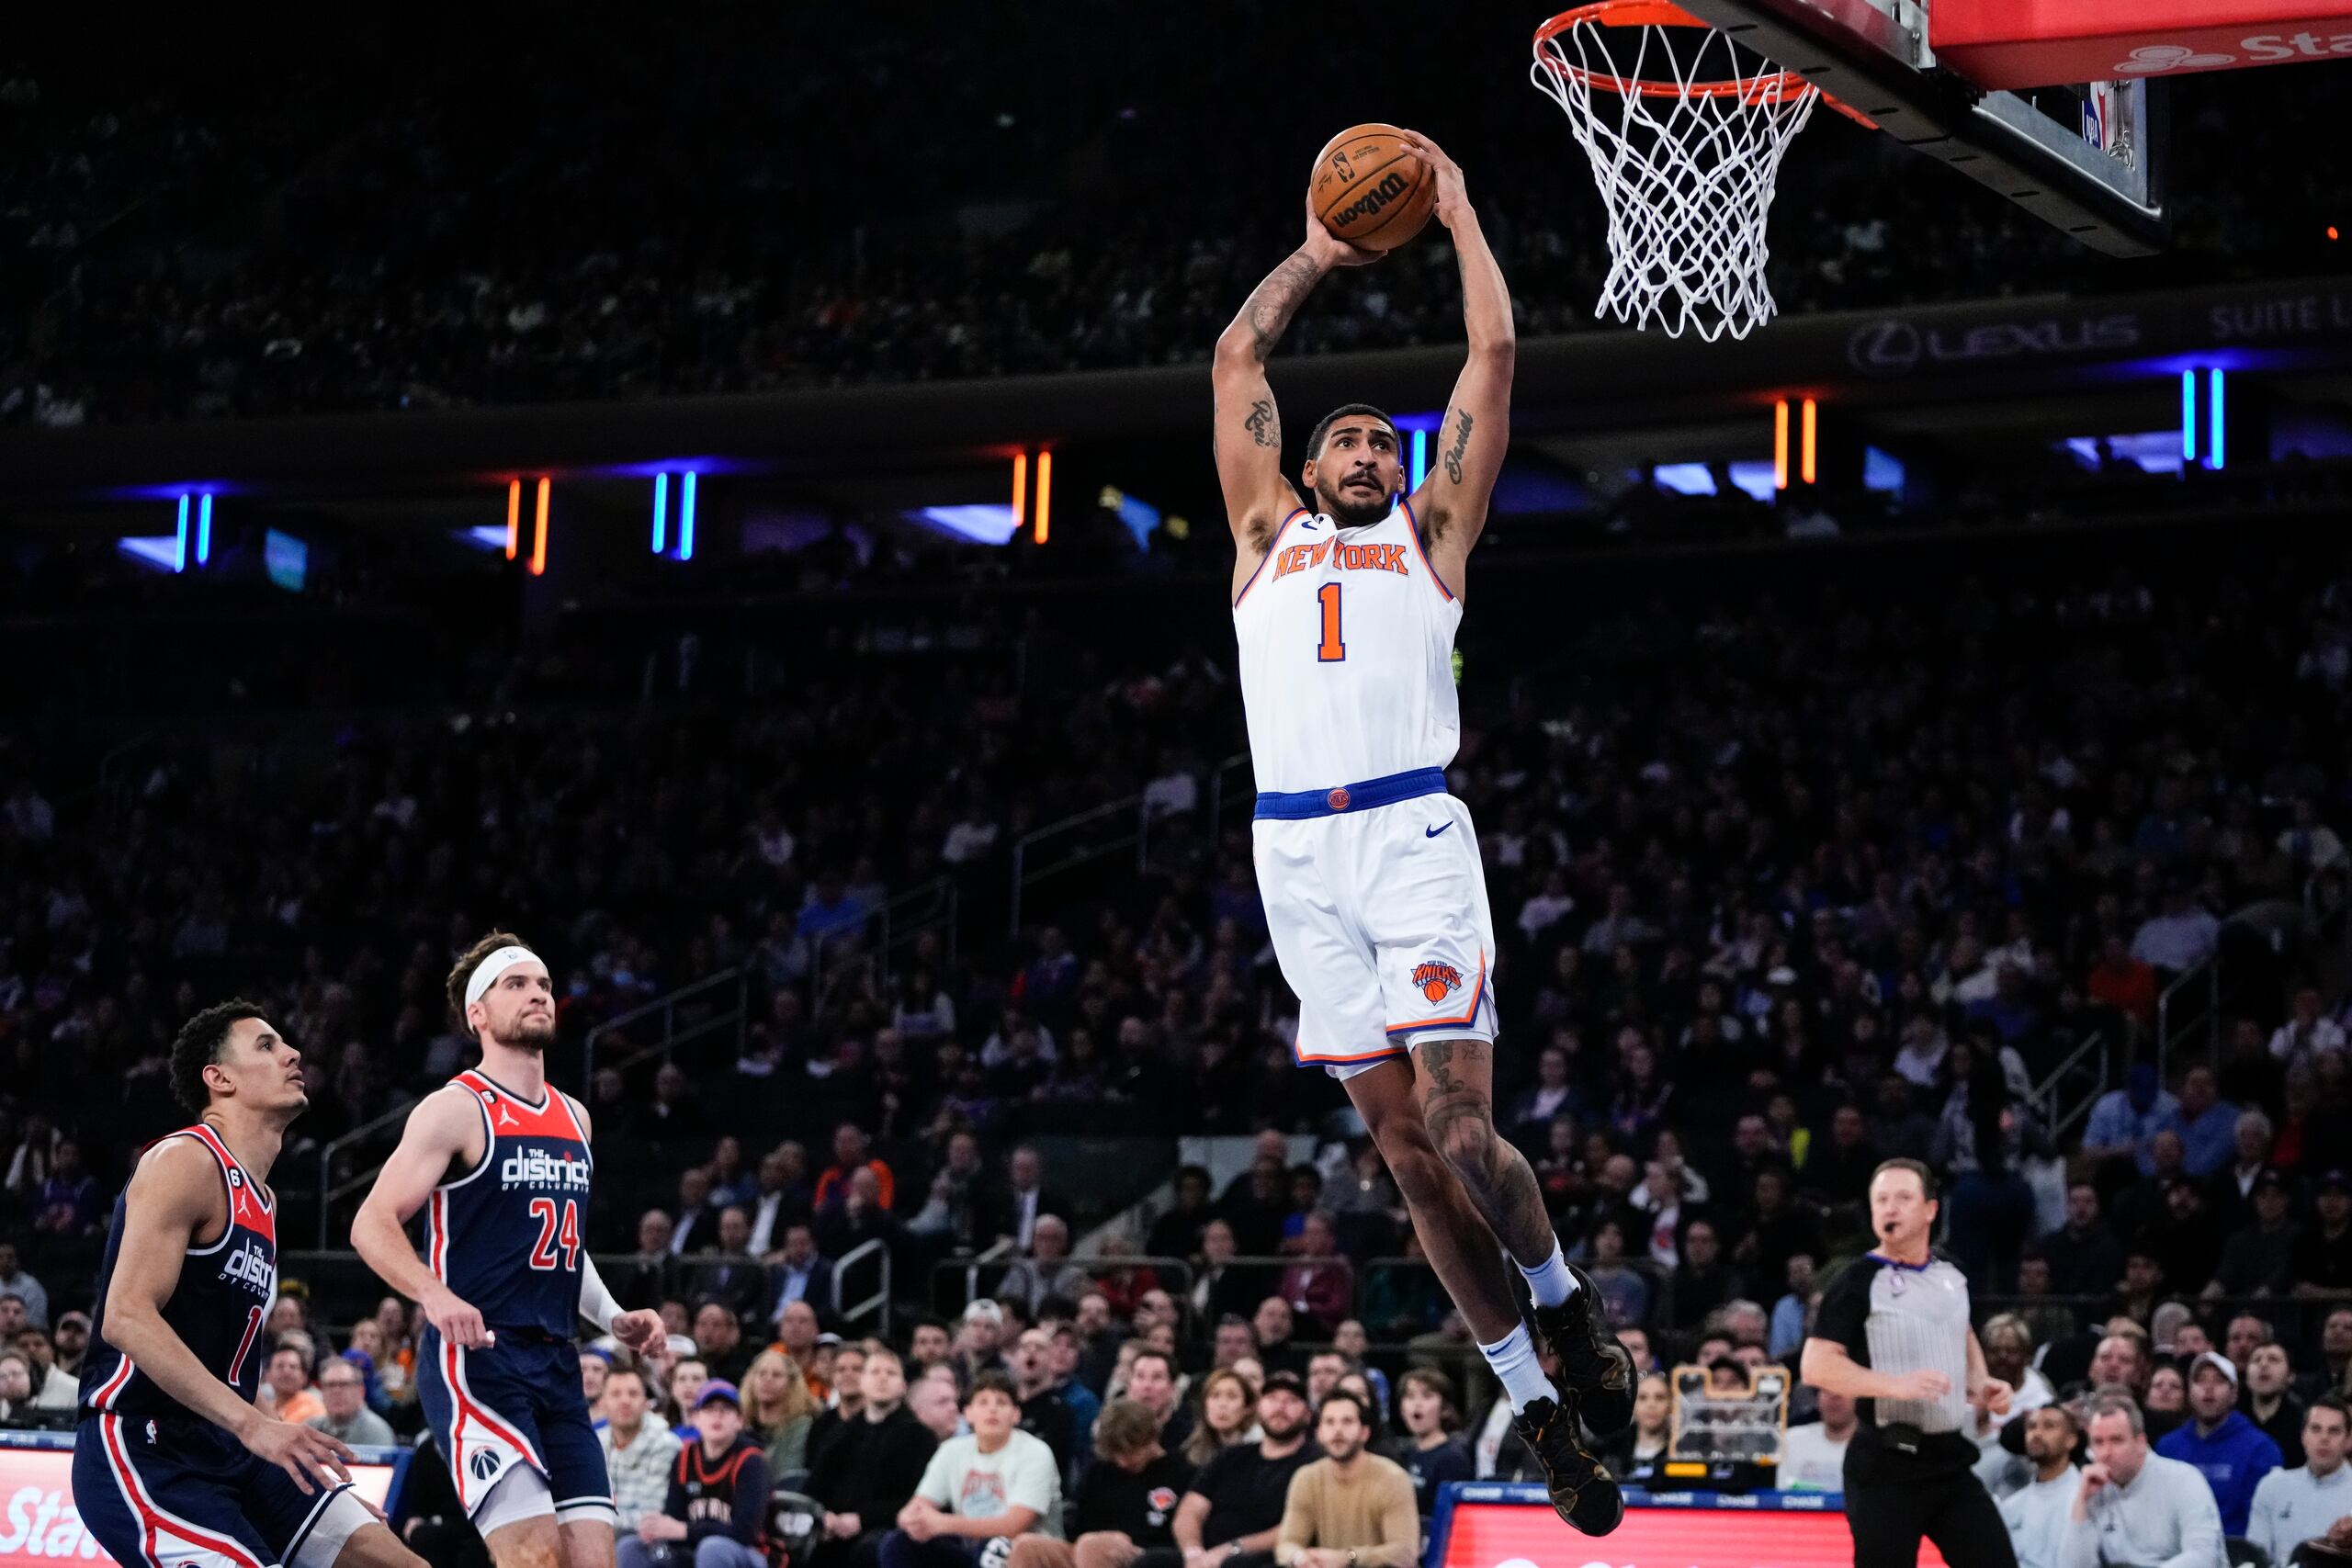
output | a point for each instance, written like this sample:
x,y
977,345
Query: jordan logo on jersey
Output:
x,y
239,1195
507,1117
1345,557
1437,981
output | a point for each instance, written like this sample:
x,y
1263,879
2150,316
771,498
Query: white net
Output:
x,y
1685,131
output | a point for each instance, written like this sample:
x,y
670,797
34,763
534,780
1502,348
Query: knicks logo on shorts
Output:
x,y
1437,981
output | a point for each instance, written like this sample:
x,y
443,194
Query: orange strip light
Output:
x,y
1044,493
1020,488
539,534
1805,454
1781,444
513,518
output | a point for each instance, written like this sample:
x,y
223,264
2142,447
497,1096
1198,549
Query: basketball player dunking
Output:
x,y
174,1464
502,1156
1345,610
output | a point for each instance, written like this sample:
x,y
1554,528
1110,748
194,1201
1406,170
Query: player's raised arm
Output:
x,y
175,1193
1248,431
1452,502
446,1129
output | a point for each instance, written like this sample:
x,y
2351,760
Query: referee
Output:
x,y
1893,1333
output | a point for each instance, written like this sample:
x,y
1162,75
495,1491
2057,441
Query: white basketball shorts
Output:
x,y
1379,918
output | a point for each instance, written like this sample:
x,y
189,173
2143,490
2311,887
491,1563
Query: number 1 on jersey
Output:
x,y
550,1237
1331,650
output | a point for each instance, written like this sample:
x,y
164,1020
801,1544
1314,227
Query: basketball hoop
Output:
x,y
1685,131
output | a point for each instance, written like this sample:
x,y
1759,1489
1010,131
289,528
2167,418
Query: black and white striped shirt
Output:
x,y
1901,1318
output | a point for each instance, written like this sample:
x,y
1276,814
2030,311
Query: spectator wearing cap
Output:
x,y
1233,1513
2292,1507
2135,1507
980,1342
2223,1446
2259,1260
717,1509
73,1341
999,1482
2322,1264
344,1392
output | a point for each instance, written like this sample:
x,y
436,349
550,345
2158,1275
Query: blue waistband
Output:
x,y
1362,796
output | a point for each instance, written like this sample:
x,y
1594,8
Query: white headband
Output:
x,y
487,972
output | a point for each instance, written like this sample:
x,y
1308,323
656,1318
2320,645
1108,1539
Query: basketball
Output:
x,y
1371,189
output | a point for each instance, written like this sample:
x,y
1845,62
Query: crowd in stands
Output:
x,y
695,214
1782,888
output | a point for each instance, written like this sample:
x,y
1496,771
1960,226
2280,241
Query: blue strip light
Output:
x,y
660,512
2188,416
179,548
686,518
1421,457
204,529
2217,450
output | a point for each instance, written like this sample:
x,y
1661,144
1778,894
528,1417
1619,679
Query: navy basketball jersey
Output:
x,y
505,1236
217,1307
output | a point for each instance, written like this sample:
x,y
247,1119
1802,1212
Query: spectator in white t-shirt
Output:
x,y
1813,1457
998,1482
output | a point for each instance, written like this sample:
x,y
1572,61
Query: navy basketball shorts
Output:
x,y
173,1491
516,1403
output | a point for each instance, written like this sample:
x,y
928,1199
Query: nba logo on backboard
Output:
x,y
1437,981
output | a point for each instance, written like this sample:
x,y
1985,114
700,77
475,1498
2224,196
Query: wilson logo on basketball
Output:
x,y
1437,981
1391,187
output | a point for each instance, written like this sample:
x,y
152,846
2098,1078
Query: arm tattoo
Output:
x,y
1264,428
1461,445
1270,306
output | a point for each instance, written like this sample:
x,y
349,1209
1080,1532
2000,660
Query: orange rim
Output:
x,y
1778,86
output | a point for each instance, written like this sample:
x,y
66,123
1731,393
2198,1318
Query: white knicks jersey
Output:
x,y
1347,654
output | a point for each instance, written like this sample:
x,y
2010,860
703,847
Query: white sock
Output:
x,y
1550,1279
1522,1376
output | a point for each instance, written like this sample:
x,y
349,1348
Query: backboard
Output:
x,y
2085,157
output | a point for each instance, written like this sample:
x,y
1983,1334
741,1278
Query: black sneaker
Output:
x,y
1583,1492
1593,1366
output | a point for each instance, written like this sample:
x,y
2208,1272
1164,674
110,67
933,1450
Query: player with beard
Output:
x,y
501,1156
1344,614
